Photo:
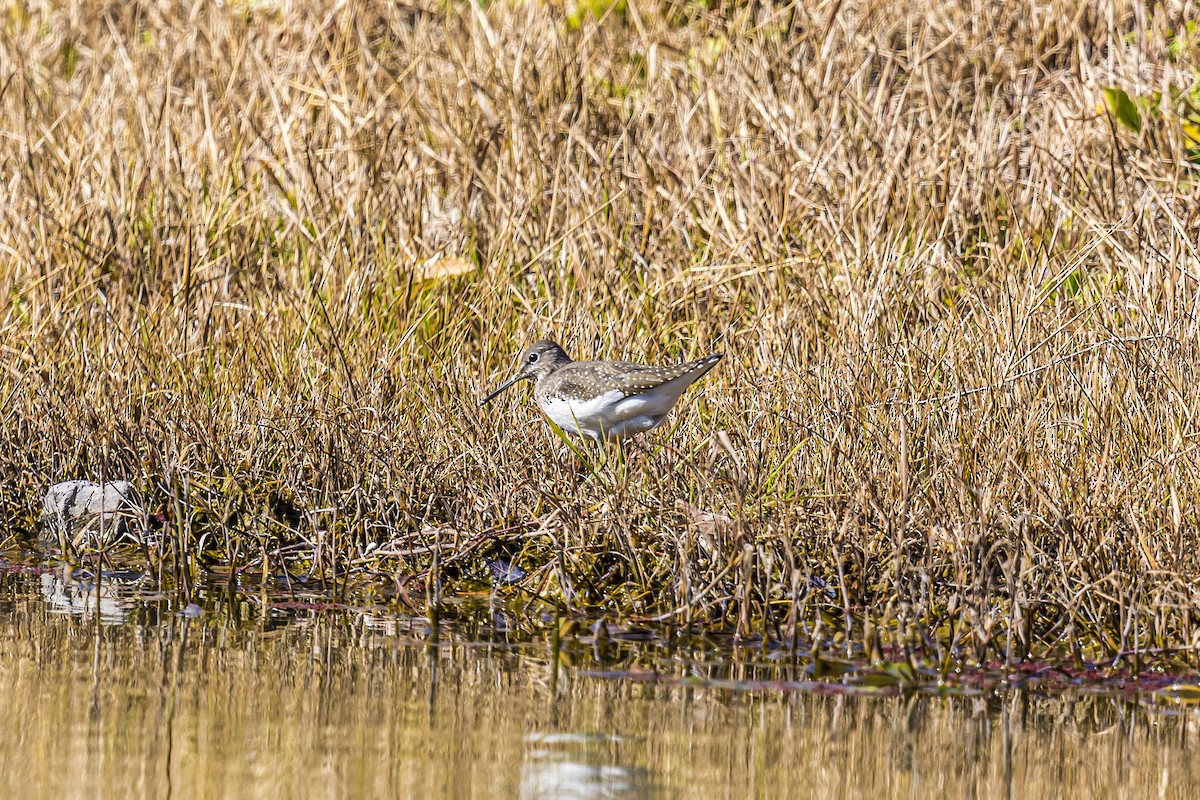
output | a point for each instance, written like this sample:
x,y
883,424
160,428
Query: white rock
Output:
x,y
79,508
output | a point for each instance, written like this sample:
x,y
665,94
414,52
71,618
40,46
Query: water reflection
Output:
x,y
574,766
126,695
83,595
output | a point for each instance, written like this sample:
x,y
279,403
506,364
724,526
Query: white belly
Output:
x,y
606,416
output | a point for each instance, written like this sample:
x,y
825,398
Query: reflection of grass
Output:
x,y
264,270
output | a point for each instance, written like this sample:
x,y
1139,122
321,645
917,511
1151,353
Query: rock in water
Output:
x,y
79,510
504,571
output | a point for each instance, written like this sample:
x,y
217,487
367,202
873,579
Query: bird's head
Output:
x,y
539,359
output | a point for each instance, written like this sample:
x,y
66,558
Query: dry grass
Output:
x,y
958,300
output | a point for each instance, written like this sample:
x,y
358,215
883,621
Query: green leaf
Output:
x,y
892,673
1191,131
1072,284
1186,693
1122,107
69,54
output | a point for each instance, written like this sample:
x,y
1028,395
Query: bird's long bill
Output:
x,y
501,388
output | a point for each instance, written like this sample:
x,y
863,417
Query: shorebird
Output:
x,y
603,400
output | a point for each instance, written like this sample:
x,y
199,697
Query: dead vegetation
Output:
x,y
261,258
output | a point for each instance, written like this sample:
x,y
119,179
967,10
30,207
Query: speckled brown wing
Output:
x,y
635,378
586,379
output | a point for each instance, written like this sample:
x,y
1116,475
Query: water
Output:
x,y
122,695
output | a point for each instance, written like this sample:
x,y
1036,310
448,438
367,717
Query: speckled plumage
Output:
x,y
603,400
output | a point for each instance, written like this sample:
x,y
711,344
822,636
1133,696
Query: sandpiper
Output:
x,y
603,400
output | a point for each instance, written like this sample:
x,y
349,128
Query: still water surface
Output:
x,y
118,694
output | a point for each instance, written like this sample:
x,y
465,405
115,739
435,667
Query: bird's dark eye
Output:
x,y
532,358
